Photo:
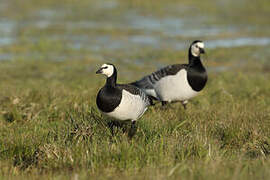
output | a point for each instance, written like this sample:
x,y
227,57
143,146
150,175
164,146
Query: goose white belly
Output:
x,y
151,92
131,107
174,87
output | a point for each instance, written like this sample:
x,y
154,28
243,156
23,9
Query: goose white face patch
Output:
x,y
195,48
200,44
107,70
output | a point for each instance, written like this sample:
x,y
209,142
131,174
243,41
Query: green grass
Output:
x,y
50,125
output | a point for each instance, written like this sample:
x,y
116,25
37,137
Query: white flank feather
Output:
x,y
131,107
174,87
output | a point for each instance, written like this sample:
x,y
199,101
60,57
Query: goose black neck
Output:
x,y
193,60
111,81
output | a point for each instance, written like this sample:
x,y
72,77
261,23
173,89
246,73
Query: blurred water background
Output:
x,y
125,30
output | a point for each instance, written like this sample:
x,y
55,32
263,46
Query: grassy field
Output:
x,y
50,126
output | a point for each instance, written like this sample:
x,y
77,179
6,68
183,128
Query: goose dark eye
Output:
x,y
105,67
196,46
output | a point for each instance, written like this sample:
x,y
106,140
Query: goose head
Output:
x,y
197,48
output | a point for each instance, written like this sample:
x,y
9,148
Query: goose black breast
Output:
x,y
197,78
108,99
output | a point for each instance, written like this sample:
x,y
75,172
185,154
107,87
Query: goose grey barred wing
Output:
x,y
166,71
131,89
143,83
148,82
136,91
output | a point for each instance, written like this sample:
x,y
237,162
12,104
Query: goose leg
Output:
x,y
163,103
112,125
133,129
184,103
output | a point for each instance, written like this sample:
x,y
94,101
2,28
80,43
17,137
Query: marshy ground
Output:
x,y
50,125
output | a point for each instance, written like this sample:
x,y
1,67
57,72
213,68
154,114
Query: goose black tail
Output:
x,y
152,99
135,84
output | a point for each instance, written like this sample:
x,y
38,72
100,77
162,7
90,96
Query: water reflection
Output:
x,y
139,32
243,41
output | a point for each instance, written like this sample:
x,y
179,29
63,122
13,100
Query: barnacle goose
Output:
x,y
178,82
120,101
